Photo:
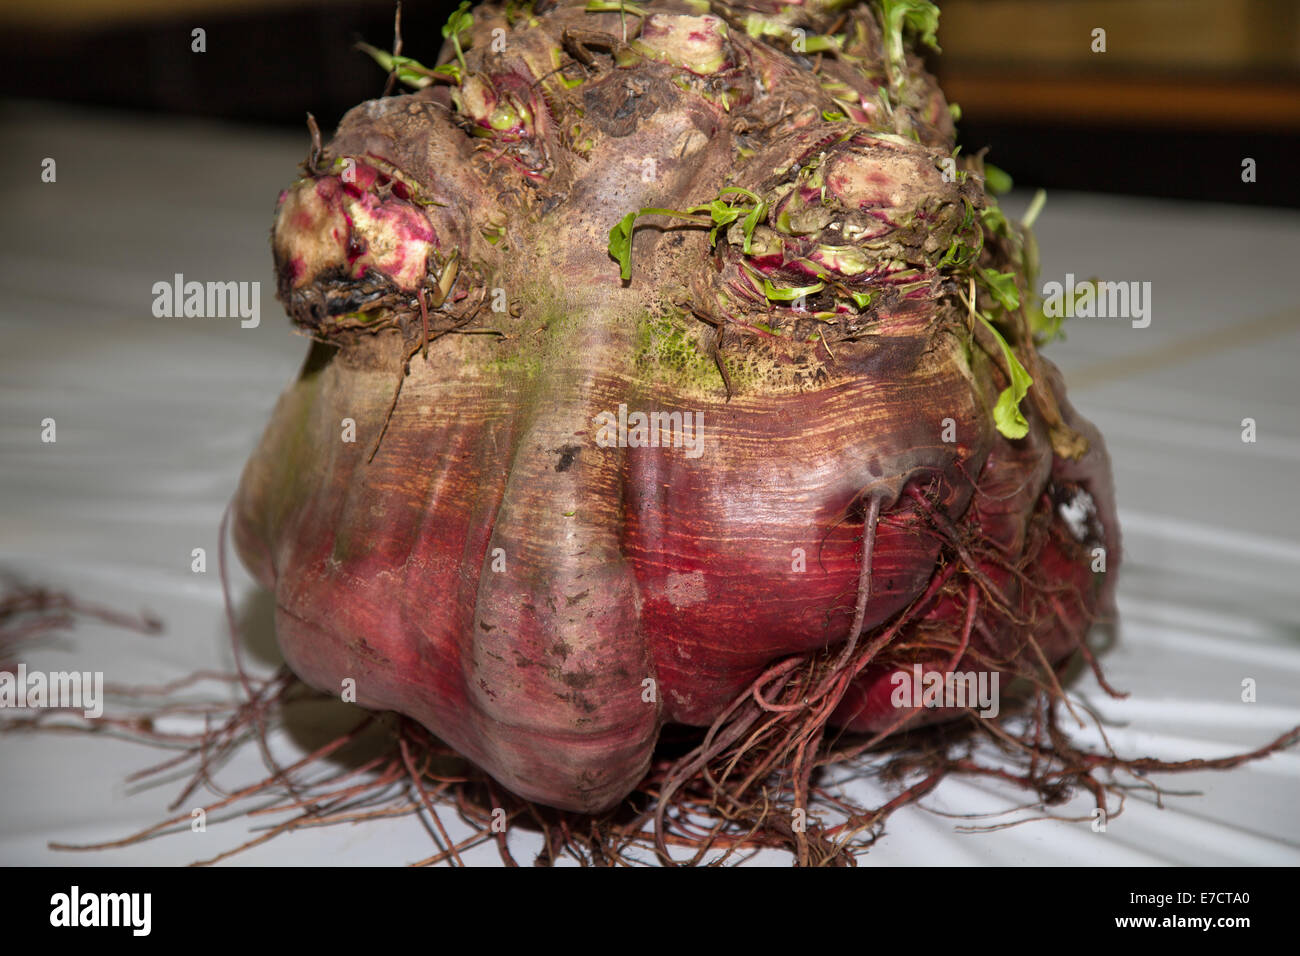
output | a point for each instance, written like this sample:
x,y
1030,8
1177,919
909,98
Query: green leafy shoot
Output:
x,y
620,237
833,116
820,44
1045,328
861,299
1002,286
620,244
952,255
968,217
614,6
779,294
411,72
751,223
451,70
752,217
722,213
960,253
1035,208
920,19
758,26
1006,414
739,191
719,213
460,21
995,221
997,180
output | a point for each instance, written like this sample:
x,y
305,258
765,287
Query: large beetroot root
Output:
x,y
461,504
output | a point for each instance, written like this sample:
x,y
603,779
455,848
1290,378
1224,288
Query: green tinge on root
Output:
x,y
670,353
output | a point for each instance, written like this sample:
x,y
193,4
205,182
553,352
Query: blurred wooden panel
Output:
x,y
1153,35
1188,63
1144,99
90,14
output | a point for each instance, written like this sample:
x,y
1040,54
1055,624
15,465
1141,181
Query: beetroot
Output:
x,y
670,367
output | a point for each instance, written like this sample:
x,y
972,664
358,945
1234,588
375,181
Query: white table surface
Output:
x,y
157,416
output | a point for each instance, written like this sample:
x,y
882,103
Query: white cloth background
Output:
x,y
155,418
